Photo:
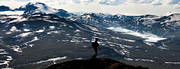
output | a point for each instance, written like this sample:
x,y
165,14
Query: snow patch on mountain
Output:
x,y
77,30
11,13
14,29
39,31
52,27
16,48
51,32
147,36
172,62
24,34
92,28
2,51
137,59
26,30
12,18
51,59
34,39
18,19
6,62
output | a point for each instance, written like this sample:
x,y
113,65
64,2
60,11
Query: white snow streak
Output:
x,y
147,36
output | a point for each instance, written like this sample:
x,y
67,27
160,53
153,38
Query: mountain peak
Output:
x,y
175,14
174,17
42,8
37,4
36,7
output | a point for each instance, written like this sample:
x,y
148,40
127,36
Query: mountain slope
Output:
x,y
39,32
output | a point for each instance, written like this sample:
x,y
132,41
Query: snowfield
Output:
x,y
147,36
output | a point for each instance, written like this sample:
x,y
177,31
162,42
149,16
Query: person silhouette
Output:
x,y
95,47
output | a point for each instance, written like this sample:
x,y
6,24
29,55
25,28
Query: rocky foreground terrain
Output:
x,y
94,63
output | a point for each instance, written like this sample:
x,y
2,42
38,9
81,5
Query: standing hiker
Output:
x,y
95,47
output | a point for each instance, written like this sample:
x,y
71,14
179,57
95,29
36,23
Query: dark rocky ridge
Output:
x,y
94,63
4,8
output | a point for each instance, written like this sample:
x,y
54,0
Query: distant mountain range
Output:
x,y
165,26
162,26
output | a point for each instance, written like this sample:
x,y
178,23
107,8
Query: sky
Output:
x,y
125,7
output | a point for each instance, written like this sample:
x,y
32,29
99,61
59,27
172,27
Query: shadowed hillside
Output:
x,y
95,63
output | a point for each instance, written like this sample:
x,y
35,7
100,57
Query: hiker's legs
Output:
x,y
95,51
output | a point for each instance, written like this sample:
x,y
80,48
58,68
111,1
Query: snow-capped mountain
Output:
x,y
37,7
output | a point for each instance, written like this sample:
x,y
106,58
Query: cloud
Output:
x,y
77,1
103,2
4,0
151,2
118,2
146,1
82,1
177,7
23,0
112,2
157,2
174,2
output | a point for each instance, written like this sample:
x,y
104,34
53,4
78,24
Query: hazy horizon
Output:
x,y
125,7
